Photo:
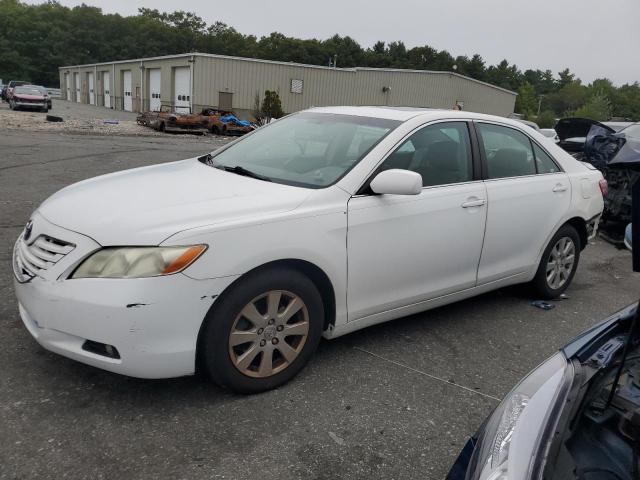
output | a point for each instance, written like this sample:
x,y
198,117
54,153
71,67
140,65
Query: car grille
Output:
x,y
33,260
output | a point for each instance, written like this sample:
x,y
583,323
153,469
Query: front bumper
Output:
x,y
152,322
38,105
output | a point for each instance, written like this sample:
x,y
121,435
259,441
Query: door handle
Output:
x,y
474,203
559,188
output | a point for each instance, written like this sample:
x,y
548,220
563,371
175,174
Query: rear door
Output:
x,y
405,249
155,102
528,195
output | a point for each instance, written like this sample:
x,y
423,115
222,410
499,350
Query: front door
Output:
x,y
225,101
407,249
528,196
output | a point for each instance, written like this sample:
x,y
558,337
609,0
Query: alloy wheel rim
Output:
x,y
560,263
268,334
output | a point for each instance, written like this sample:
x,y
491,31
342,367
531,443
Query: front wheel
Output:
x,y
261,334
558,264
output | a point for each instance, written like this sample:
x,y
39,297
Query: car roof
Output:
x,y
406,113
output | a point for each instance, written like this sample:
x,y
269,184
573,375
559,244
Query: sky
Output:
x,y
593,38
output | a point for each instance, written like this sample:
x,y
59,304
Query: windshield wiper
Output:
x,y
208,160
243,171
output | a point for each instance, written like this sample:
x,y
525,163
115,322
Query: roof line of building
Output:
x,y
291,64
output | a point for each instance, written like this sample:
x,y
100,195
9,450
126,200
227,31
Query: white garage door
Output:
x,y
67,85
106,81
76,84
126,80
155,101
92,95
182,94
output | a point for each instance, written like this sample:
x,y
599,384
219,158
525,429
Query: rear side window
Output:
x,y
544,162
508,151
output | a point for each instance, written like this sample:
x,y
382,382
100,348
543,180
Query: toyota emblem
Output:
x,y
27,230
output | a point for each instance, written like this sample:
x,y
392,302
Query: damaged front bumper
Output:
x,y
142,327
151,324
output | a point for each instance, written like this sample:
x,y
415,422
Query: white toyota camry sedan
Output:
x,y
322,223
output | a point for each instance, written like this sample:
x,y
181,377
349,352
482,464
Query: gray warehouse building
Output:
x,y
197,80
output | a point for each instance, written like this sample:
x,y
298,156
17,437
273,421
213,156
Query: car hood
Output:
x,y
23,96
144,206
576,127
604,330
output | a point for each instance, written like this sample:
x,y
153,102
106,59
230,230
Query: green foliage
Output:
x,y
526,102
271,105
597,108
546,119
37,39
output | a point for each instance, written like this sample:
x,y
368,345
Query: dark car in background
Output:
x,y
8,88
575,417
28,97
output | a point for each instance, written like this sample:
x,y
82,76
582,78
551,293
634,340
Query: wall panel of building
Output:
x,y
240,80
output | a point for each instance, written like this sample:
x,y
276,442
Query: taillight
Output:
x,y
604,188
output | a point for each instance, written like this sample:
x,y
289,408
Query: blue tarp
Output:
x,y
233,119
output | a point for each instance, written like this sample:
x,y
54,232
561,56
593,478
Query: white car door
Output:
x,y
407,249
527,195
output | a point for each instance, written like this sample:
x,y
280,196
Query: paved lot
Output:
x,y
395,401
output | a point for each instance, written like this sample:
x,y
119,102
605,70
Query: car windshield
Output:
x,y
632,131
27,90
307,149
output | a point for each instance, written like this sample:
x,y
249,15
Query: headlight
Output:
x,y
138,262
512,434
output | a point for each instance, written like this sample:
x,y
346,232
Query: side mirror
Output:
x,y
628,238
397,182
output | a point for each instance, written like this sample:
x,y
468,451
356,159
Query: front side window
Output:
x,y
507,151
306,149
440,153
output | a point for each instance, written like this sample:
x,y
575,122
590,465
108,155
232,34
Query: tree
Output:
x,y
597,108
271,105
546,119
526,102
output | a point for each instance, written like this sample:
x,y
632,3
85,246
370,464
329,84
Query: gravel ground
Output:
x,y
78,119
394,401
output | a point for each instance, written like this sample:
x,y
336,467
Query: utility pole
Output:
x,y
539,103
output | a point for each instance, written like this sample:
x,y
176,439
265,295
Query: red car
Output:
x,y
29,97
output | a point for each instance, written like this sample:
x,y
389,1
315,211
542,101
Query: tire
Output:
x,y
239,366
564,246
161,127
215,130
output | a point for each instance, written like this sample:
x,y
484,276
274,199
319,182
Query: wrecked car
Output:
x,y
576,416
168,119
222,122
600,144
29,97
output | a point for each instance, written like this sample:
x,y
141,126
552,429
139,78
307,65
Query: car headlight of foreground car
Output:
x,y
512,439
138,262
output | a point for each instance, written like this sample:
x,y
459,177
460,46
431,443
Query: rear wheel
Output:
x,y
262,333
558,264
